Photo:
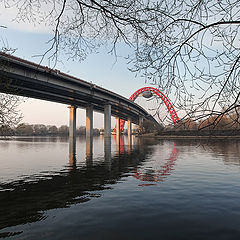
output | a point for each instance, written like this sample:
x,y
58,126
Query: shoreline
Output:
x,y
163,137
228,137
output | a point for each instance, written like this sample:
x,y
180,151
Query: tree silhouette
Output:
x,y
189,49
9,112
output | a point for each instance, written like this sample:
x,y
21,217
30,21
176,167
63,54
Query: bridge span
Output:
x,y
25,78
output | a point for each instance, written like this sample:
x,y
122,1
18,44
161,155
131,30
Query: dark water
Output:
x,y
154,190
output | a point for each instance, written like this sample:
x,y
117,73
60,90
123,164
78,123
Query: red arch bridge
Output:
x,y
148,92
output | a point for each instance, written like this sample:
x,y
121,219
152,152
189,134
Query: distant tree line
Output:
x,y
228,121
227,124
24,129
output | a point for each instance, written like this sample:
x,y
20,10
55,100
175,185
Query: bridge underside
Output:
x,y
28,87
24,78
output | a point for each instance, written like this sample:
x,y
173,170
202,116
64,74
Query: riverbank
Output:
x,y
173,137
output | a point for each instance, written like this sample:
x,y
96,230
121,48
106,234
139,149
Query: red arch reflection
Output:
x,y
159,175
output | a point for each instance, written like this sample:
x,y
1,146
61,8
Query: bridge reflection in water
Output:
x,y
160,174
75,183
119,143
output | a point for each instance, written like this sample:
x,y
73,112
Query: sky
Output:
x,y
101,69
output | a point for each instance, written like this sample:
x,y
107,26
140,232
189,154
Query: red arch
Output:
x,y
168,104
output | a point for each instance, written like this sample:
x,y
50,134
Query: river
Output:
x,y
153,189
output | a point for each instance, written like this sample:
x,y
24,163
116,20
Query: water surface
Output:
x,y
155,189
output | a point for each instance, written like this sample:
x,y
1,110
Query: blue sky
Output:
x,y
101,69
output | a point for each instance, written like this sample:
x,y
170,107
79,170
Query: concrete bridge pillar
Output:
x,y
129,129
118,130
89,122
107,121
72,131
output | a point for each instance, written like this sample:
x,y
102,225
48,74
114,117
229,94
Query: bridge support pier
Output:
x,y
107,121
118,131
72,131
89,122
129,129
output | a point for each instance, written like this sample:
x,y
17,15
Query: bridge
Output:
x,y
25,78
